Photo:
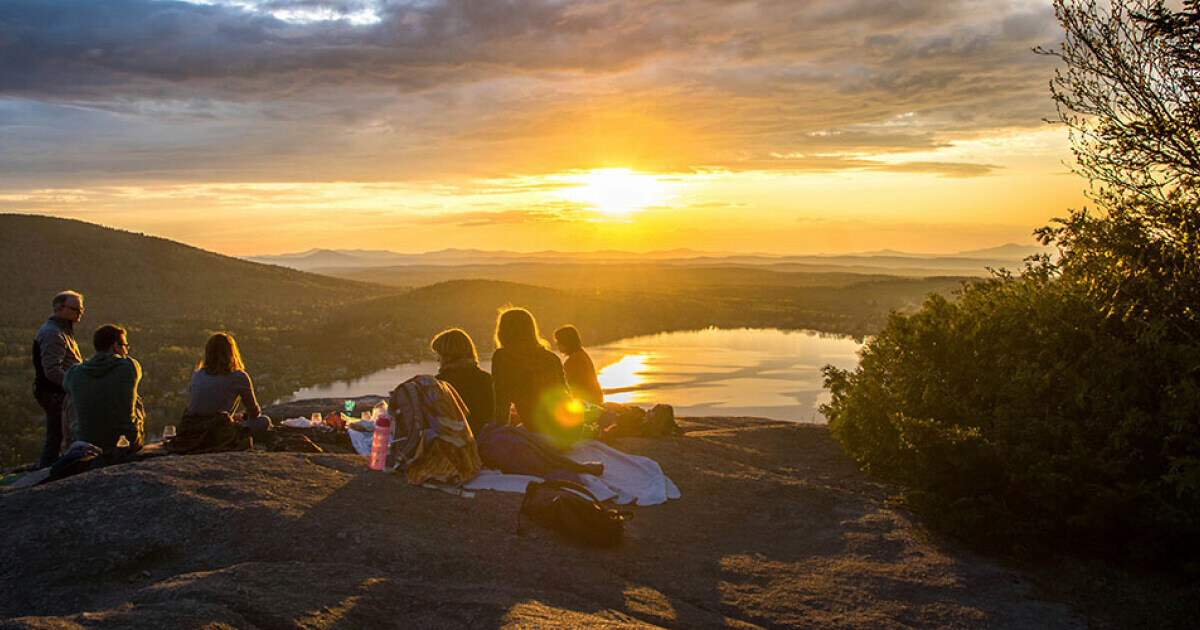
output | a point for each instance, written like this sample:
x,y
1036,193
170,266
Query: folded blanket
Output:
x,y
626,479
632,478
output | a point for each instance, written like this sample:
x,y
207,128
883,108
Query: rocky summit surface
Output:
x,y
776,529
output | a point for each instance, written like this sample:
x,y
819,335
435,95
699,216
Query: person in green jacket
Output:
x,y
103,390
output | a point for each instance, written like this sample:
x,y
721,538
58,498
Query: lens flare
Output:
x,y
569,412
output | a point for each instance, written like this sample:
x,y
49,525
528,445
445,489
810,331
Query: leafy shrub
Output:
x,y
1024,416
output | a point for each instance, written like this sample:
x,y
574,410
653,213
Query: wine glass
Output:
x,y
168,432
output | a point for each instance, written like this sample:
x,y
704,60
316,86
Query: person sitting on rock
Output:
x,y
220,383
580,373
104,393
458,365
527,376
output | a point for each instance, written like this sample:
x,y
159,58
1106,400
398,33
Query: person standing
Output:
x,y
54,352
104,393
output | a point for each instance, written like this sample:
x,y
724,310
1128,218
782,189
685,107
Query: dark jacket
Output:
x,y
104,392
532,380
54,352
581,377
474,386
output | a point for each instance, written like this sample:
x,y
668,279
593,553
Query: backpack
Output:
x,y
431,440
570,508
660,422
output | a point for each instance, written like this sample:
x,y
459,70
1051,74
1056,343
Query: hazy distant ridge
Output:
x,y
973,262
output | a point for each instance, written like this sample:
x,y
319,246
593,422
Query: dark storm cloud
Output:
x,y
92,48
364,90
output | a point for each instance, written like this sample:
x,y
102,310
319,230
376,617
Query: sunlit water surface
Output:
x,y
745,372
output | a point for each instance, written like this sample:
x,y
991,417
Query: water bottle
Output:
x,y
380,441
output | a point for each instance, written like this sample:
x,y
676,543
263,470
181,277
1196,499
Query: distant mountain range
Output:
x,y
891,262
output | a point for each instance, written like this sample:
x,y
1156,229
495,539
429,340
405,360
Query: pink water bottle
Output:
x,y
380,441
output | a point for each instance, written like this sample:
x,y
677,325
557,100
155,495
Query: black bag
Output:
x,y
570,508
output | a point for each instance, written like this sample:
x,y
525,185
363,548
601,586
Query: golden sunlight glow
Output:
x,y
625,373
617,191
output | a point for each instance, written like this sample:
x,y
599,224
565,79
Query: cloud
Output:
x,y
332,90
945,169
545,214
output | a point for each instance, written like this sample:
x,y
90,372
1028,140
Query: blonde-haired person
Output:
x,y
220,382
458,365
529,377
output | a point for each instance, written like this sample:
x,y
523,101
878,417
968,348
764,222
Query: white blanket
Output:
x,y
626,479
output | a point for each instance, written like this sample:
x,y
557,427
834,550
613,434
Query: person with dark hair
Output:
x,y
54,352
458,365
527,376
220,383
104,394
578,367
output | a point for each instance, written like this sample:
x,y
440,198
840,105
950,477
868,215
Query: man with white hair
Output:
x,y
54,351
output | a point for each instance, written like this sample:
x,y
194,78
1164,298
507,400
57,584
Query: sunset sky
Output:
x,y
781,126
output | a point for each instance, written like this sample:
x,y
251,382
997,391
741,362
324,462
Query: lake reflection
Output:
x,y
745,372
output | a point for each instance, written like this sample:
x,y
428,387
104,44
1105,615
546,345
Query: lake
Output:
x,y
715,372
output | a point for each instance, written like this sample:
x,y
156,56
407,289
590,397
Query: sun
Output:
x,y
616,191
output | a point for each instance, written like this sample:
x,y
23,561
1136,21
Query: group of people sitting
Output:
x,y
96,402
528,384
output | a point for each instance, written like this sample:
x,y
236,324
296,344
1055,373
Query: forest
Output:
x,y
298,329
1056,408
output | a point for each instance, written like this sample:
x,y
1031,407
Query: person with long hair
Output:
x,y
528,376
578,367
220,383
458,365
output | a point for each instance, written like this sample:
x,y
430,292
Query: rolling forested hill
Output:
x,y
124,275
169,295
298,329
